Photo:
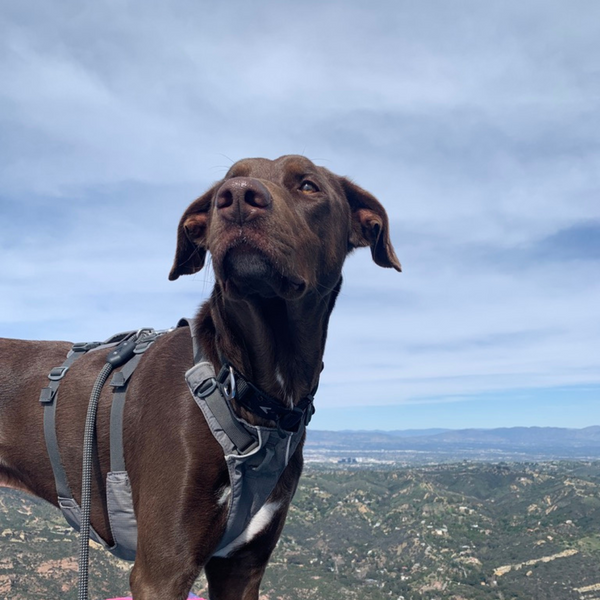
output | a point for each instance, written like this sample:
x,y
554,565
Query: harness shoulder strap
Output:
x,y
185,322
119,384
48,399
119,497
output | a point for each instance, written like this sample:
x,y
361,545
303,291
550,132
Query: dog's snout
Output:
x,y
242,199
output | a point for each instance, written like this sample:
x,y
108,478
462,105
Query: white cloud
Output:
x,y
476,125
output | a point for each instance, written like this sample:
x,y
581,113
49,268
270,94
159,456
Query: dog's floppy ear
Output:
x,y
191,237
370,226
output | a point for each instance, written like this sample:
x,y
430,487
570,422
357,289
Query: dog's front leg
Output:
x,y
234,578
176,537
237,577
169,577
238,574
169,558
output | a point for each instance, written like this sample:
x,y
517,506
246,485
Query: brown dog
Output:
x,y
278,232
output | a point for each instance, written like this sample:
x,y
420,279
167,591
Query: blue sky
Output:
x,y
476,124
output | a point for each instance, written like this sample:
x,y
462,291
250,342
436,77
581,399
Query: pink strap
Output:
x,y
129,598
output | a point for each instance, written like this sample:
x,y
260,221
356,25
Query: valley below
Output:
x,y
451,531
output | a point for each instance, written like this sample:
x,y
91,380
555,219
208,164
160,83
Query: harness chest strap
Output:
x,y
254,468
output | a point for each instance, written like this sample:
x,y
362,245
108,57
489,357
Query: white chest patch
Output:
x,y
279,379
259,523
224,496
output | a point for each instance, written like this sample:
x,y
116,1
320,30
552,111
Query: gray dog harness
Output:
x,y
118,489
256,456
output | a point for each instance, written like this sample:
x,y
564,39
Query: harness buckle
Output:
x,y
206,388
145,340
57,373
118,380
47,395
144,331
228,386
84,346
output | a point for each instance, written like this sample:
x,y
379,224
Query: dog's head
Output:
x,y
280,228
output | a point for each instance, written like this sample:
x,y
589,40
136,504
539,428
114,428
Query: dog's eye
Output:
x,y
308,187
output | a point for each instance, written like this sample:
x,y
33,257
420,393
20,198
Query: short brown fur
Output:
x,y
278,232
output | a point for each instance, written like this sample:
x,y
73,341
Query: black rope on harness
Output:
x,y
86,481
121,354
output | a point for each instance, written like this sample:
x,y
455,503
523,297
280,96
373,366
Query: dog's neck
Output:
x,y
277,344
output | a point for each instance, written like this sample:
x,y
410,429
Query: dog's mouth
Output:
x,y
248,271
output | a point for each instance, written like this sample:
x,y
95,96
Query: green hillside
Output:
x,y
447,532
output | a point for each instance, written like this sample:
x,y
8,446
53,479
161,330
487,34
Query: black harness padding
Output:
x,y
261,404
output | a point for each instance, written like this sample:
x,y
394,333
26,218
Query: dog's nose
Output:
x,y
242,199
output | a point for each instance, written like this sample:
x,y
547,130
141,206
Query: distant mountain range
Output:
x,y
507,442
